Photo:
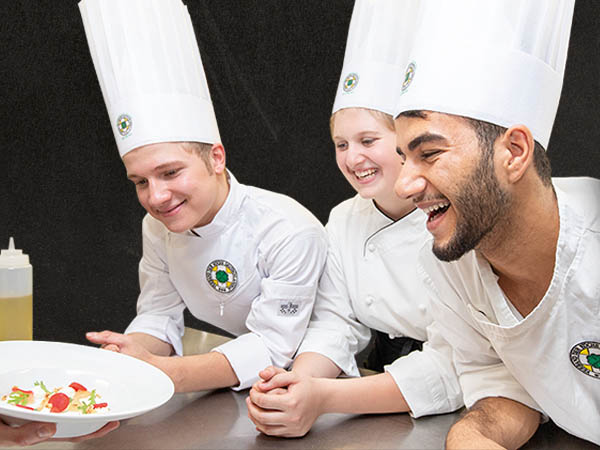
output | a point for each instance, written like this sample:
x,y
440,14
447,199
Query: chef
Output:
x,y
370,281
513,271
241,258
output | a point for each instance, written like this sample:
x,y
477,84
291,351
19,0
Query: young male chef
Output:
x,y
238,257
514,276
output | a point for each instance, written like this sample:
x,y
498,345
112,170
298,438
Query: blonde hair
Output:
x,y
202,150
385,119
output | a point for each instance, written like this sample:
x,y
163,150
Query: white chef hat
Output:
x,y
150,72
377,48
500,61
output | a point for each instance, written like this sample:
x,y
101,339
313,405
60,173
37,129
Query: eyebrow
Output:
x,y
424,138
156,169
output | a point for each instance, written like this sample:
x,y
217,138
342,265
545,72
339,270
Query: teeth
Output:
x,y
365,173
435,207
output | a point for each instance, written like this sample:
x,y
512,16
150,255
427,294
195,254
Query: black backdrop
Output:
x,y
272,67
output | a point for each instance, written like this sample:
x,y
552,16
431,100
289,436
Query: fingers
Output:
x,y
272,423
106,338
110,426
111,347
268,401
269,372
28,434
281,380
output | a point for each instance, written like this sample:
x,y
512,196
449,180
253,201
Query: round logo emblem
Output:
x,y
350,82
124,124
585,356
222,276
408,76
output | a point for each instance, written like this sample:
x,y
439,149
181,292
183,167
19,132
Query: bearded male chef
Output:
x,y
515,282
238,257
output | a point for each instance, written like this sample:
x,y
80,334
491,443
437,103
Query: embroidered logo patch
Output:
x,y
124,124
408,76
350,82
585,356
288,309
222,276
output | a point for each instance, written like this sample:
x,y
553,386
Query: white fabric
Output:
x,y
377,47
501,61
278,250
149,69
370,281
528,360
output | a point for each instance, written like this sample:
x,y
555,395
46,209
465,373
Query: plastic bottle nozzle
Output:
x,y
12,257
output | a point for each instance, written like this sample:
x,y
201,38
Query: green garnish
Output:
x,y
41,384
18,398
85,407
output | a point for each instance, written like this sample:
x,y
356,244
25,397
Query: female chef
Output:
x,y
370,280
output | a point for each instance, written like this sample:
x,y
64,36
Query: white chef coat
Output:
x,y
499,353
277,250
370,281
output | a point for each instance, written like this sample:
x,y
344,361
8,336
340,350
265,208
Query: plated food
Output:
x,y
128,386
72,399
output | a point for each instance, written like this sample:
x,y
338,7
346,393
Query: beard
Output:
x,y
482,204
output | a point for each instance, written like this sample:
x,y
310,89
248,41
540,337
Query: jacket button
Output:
x,y
369,300
422,307
371,247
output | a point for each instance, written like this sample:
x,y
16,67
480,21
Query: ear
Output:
x,y
217,157
518,145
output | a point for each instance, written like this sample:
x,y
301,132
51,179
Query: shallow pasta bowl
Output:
x,y
130,386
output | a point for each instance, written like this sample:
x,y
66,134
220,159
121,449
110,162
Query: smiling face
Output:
x,y
450,177
174,184
365,151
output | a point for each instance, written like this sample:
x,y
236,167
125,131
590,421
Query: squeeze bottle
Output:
x,y
16,285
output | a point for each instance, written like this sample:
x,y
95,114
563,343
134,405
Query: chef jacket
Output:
x,y
253,271
546,360
370,281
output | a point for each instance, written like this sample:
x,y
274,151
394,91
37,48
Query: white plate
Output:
x,y
130,386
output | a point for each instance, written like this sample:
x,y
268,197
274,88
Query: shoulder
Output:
x,y
153,229
583,195
455,279
352,207
266,211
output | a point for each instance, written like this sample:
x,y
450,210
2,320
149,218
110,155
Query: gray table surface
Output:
x,y
218,420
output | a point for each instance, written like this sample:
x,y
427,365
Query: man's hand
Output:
x,y
284,403
36,432
120,343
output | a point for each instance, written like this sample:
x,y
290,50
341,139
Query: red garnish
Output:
x,y
59,402
23,406
77,386
16,389
100,405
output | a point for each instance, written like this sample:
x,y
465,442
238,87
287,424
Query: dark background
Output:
x,y
272,67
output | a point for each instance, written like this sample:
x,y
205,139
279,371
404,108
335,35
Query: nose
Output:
x,y
410,182
354,156
158,194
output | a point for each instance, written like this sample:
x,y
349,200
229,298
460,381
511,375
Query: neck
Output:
x,y
522,248
394,207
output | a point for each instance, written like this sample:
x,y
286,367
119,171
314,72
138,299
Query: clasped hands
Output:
x,y
284,403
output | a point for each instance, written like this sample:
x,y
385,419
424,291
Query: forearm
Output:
x,y
315,365
366,395
152,344
494,422
197,372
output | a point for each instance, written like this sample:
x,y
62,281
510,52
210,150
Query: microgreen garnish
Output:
x,y
41,384
18,398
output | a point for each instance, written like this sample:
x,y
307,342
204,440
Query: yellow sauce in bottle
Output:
x,y
16,318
